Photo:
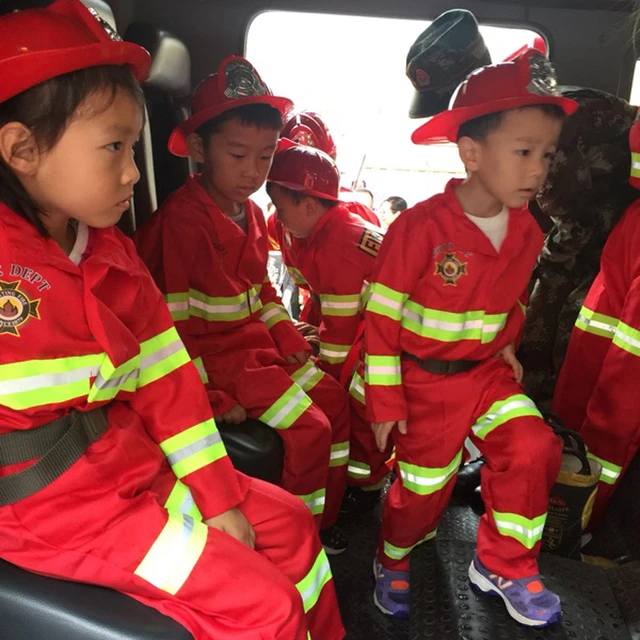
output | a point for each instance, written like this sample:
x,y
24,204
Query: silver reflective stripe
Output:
x,y
44,380
101,383
194,447
161,354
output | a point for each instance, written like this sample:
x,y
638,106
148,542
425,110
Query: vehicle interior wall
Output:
x,y
591,41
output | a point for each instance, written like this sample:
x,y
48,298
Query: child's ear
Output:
x,y
18,148
196,147
469,150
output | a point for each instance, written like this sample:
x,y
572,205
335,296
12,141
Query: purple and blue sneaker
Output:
x,y
527,600
392,591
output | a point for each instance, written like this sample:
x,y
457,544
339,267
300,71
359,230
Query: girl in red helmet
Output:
x,y
131,487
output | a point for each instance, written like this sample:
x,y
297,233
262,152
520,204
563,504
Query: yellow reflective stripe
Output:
x,y
34,383
356,388
174,554
287,408
178,304
425,480
339,454
635,165
340,305
110,380
516,406
161,355
522,307
525,530
596,323
224,308
307,376
272,313
296,276
382,370
398,553
193,448
385,301
334,353
627,338
358,470
446,326
610,472
199,364
311,586
315,501
180,500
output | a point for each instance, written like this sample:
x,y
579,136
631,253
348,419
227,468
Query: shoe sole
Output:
x,y
486,586
396,616
330,551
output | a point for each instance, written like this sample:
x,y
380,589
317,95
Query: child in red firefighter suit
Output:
x,y
207,248
308,129
334,251
445,308
132,488
596,392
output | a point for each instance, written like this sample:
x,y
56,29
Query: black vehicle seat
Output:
x,y
167,91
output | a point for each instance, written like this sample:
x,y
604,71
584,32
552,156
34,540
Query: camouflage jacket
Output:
x,y
585,195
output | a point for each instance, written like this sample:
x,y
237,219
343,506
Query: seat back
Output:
x,y
167,91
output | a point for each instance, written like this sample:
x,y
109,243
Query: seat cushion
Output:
x,y
34,607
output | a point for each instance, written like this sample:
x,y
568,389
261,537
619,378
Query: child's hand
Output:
x,y
306,329
235,415
383,429
508,354
299,357
235,524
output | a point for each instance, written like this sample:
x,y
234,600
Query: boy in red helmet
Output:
x,y
207,248
445,310
334,251
597,386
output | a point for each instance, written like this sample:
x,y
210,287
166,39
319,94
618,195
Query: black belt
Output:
x,y
442,367
58,444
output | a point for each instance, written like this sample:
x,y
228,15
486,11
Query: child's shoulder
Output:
x,y
421,214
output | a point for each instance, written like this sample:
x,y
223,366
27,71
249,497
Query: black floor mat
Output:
x,y
448,609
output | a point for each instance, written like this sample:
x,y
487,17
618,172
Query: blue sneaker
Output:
x,y
527,600
392,591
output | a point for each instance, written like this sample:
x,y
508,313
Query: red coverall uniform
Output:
x,y
596,392
214,277
311,313
129,513
336,262
441,291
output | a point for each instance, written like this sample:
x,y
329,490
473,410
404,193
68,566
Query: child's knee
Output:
x,y
538,447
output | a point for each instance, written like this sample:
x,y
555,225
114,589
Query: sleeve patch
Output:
x,y
370,241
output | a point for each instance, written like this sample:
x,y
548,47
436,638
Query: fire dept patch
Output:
x,y
242,81
16,308
370,242
450,268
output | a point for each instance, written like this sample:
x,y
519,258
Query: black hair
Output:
x,y
299,196
261,116
47,109
479,128
396,203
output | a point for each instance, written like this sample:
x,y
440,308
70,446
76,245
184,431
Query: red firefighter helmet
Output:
x,y
305,169
527,80
40,44
307,128
634,144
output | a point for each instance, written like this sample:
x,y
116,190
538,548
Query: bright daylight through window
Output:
x,y
351,70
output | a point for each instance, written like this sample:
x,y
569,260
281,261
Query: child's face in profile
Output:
x,y
90,172
236,162
513,161
296,218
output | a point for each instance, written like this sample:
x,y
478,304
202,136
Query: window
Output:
x,y
351,70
